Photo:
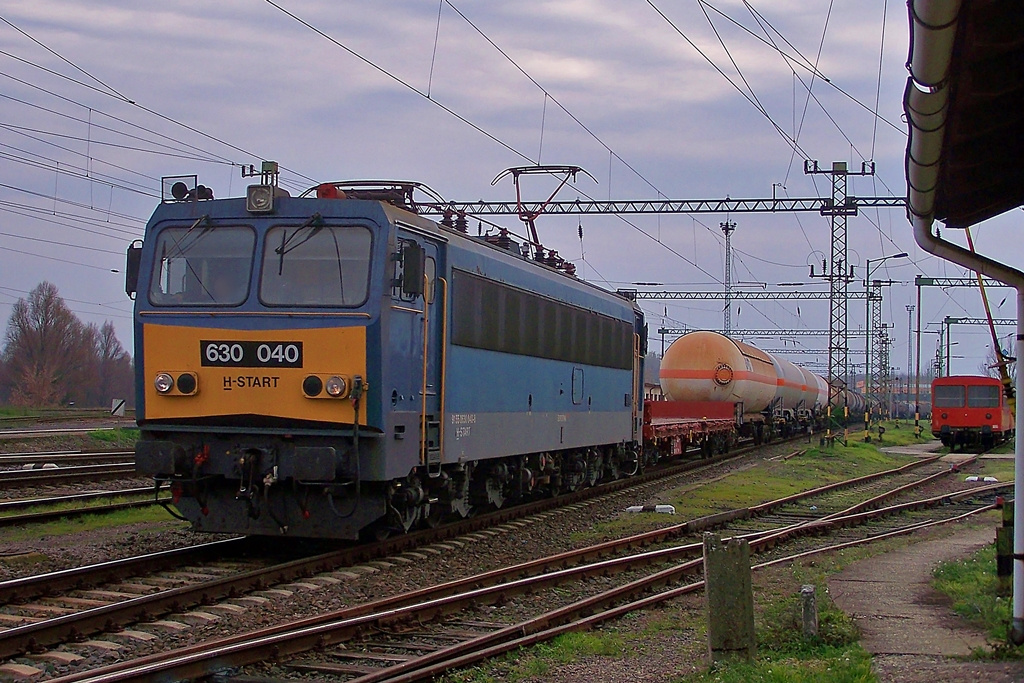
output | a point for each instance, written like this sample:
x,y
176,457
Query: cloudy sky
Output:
x,y
685,100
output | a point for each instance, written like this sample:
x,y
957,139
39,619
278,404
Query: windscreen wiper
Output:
x,y
317,223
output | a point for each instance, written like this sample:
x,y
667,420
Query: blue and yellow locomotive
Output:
x,y
335,364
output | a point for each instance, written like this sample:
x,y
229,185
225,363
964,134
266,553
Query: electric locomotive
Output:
x,y
969,410
336,365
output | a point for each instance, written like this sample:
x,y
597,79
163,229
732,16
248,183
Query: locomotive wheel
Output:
x,y
460,504
378,531
595,468
574,472
614,471
495,491
406,519
635,466
434,514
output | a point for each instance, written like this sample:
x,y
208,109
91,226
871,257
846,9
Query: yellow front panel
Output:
x,y
270,390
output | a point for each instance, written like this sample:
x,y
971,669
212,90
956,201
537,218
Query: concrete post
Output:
x,y
730,599
809,604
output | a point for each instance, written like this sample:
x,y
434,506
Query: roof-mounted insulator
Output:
x,y
446,221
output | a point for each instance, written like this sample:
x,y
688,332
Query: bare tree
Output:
x,y
990,367
49,357
116,374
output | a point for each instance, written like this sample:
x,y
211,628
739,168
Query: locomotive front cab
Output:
x,y
253,370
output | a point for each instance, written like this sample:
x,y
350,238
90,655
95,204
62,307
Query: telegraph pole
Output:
x,y
910,348
727,228
839,276
886,376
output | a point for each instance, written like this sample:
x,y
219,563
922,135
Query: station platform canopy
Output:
x,y
965,104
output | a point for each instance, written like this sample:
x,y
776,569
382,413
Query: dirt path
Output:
x,y
907,625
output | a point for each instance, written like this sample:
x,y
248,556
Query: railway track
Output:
x,y
386,640
64,458
42,632
65,475
33,510
70,416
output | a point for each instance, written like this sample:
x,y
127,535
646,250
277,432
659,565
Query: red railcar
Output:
x,y
970,410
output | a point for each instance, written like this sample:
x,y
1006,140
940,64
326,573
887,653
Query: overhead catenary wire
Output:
x,y
791,142
207,158
60,260
143,108
53,166
463,119
555,100
658,240
48,216
184,145
810,87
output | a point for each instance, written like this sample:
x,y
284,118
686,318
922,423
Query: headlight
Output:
x,y
312,386
163,383
259,198
336,386
187,383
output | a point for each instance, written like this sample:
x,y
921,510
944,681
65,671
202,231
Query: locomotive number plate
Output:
x,y
250,354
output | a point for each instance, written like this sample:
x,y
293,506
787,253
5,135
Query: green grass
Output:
x,y
897,433
783,654
972,585
118,437
77,505
12,411
843,665
536,662
767,481
89,522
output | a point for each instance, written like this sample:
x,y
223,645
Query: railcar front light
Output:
x,y
163,383
336,386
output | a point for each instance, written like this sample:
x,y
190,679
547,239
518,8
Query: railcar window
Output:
x,y
208,266
948,396
983,397
319,266
490,315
